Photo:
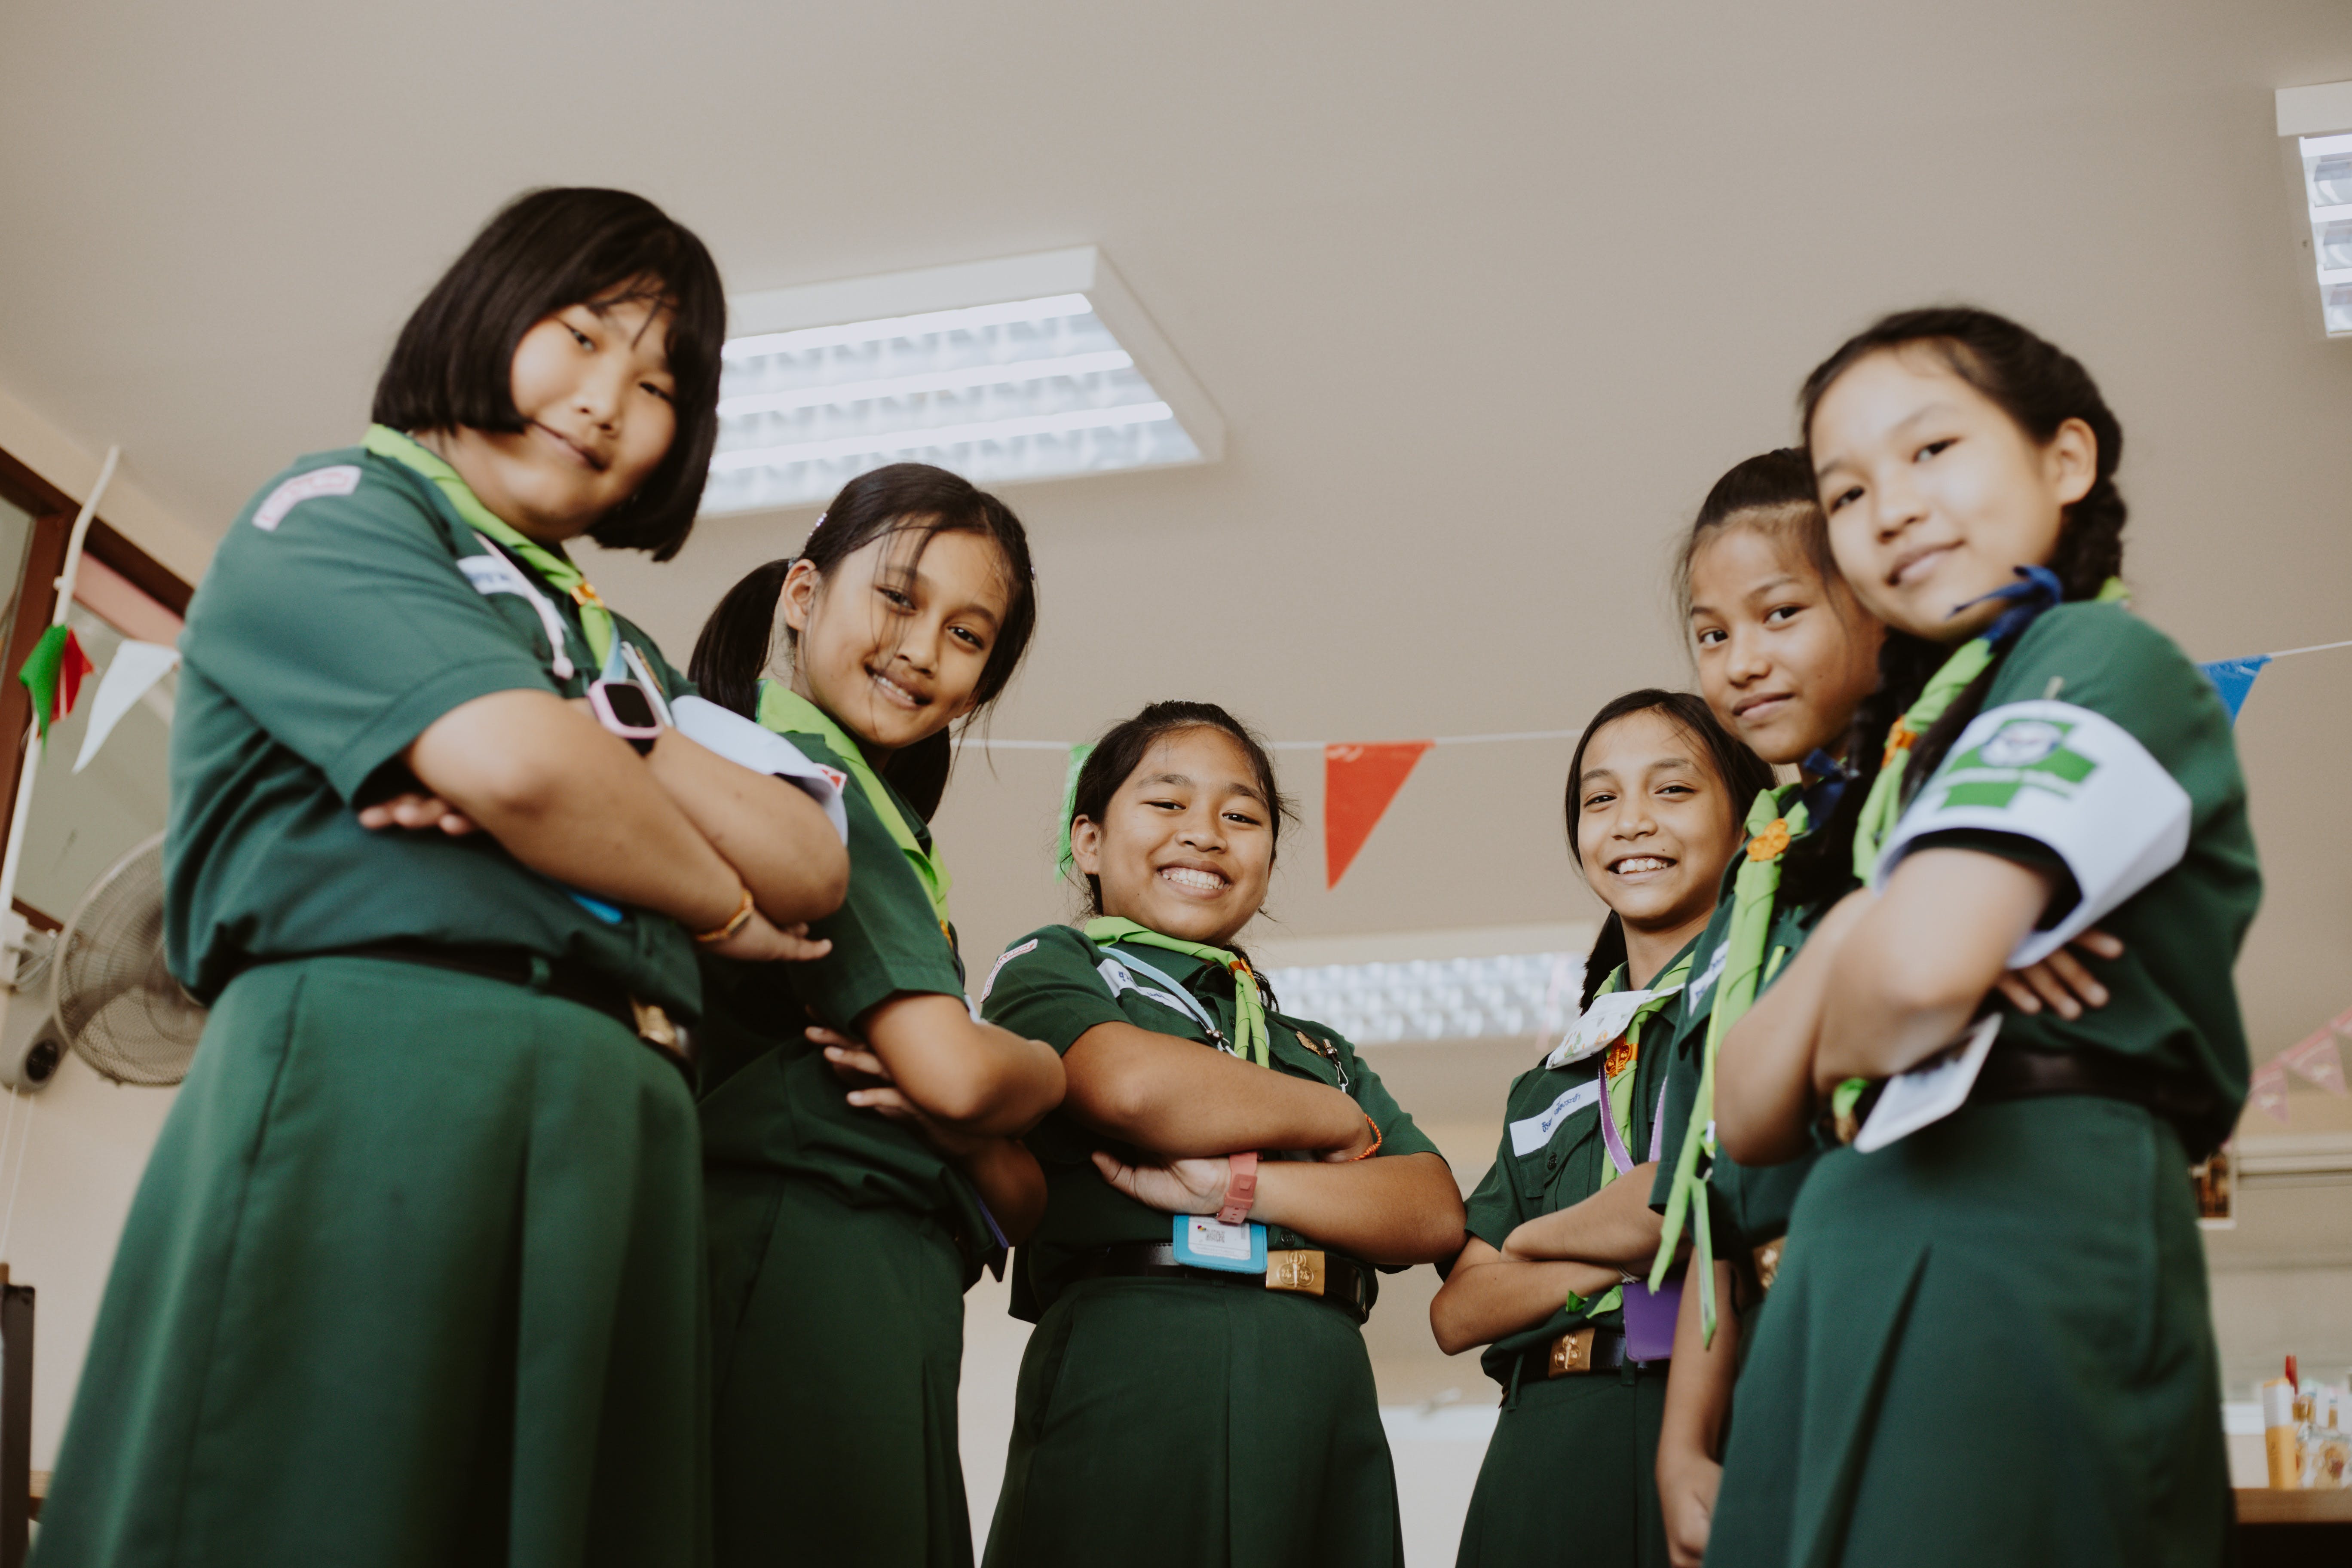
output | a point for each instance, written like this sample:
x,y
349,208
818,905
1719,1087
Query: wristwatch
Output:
x,y
623,707
1241,1188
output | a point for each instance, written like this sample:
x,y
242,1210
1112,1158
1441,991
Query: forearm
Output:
x,y
1698,1395
1489,1296
1615,1227
1009,1182
1764,1071
1178,1098
1400,1208
974,1077
776,838
1905,983
572,801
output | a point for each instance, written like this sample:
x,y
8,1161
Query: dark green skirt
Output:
x,y
838,1346
1989,1343
1177,1423
413,1279
1571,1476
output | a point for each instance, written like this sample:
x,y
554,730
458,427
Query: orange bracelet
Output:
x,y
735,922
1377,1137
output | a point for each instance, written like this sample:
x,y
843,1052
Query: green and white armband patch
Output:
x,y
2074,780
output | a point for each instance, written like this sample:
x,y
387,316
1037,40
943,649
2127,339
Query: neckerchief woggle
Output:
x,y
1249,1007
783,710
2037,589
596,620
1753,890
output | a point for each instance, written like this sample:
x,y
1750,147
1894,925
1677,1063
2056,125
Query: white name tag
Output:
x,y
1713,973
1211,1237
1930,1091
1529,1136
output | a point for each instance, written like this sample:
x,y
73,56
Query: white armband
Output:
x,y
762,751
2074,780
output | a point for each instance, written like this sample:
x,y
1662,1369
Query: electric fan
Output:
x,y
111,996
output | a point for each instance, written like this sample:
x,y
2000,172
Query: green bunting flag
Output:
x,y
53,674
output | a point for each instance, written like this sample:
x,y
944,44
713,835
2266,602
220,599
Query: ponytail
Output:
x,y
738,640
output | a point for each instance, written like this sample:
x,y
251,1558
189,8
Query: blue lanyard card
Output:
x,y
1203,1241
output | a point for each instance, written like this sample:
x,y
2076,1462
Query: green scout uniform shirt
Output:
x,y
2173,1006
770,1097
1752,1204
1048,987
1570,1167
336,624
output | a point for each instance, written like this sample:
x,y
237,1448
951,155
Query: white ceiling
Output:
x,y
1487,296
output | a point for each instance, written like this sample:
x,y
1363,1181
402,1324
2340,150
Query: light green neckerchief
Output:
x,y
596,620
785,710
1249,1007
1620,1109
1753,890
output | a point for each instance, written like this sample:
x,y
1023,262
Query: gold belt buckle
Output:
x,y
1768,1261
1571,1354
655,1027
1295,1269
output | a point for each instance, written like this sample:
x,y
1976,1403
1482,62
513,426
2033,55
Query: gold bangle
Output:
x,y
735,922
1378,1138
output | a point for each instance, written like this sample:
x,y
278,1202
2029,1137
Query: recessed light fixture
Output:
x,y
1521,994
1033,367
2320,118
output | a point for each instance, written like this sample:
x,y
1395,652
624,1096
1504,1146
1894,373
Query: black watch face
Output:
x,y
630,704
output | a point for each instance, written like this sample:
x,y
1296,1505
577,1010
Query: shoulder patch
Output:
x,y
1007,956
341,479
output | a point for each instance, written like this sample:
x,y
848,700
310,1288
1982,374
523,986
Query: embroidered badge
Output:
x,y
339,480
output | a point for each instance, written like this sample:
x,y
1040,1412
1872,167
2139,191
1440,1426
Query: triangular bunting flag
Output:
x,y
2233,678
2270,1090
1359,782
2317,1060
53,673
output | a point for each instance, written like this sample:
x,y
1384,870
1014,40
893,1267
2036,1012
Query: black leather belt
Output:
x,y
1327,1277
1574,1353
592,988
2016,1073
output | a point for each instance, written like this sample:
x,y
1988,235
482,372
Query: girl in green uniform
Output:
x,y
1989,1339
1196,1393
857,1121
1785,655
414,1275
1577,1345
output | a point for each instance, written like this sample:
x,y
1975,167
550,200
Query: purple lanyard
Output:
x,y
1614,1140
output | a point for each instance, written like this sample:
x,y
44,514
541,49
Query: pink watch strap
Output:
x,y
1241,1188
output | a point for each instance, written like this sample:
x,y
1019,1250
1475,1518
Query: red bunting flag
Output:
x,y
2316,1059
2270,1090
53,674
1359,782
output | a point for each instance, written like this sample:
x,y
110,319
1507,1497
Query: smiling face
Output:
x,y
1655,825
1783,657
1935,495
593,384
1186,843
893,645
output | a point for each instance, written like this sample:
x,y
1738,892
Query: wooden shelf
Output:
x,y
2260,1505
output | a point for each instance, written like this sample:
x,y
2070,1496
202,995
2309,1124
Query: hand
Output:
x,y
759,941
1180,1187
418,808
1686,1491
2059,979
871,1088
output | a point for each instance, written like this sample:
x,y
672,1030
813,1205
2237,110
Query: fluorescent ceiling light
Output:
x,y
1521,995
2320,118
1028,368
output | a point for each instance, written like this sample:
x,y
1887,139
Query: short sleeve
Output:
x,y
1495,1207
345,628
2083,759
1400,1134
1045,987
885,940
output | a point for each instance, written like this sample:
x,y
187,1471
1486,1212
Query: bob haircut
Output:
x,y
546,250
